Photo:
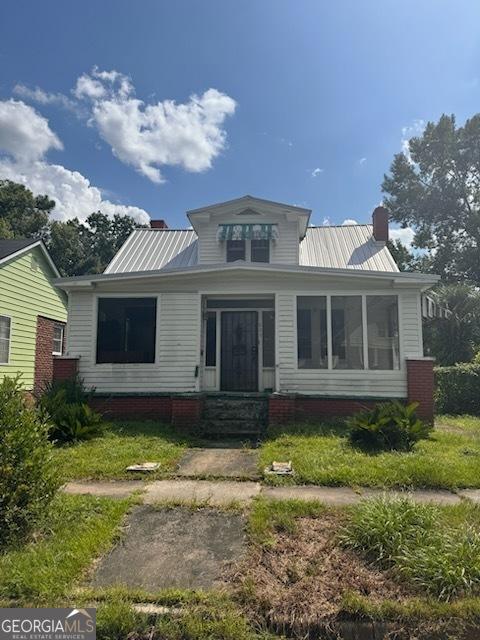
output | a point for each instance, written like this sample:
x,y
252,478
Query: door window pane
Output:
x,y
5,331
211,340
260,251
126,329
268,319
382,325
312,332
347,334
235,250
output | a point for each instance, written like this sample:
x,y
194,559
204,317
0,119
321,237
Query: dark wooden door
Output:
x,y
239,348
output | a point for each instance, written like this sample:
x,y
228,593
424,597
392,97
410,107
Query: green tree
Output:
x,y
402,256
22,214
435,189
455,338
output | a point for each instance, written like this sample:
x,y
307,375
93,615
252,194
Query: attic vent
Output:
x,y
247,232
248,212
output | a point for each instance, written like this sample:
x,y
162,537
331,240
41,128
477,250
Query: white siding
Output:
x,y
284,251
177,348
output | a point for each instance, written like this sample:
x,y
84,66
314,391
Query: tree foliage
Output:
x,y
435,189
76,247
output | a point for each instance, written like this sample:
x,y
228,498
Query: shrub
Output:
x,y
458,389
72,419
388,426
28,480
411,539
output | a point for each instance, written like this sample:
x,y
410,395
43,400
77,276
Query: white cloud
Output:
x,y
404,235
149,136
411,131
43,97
349,221
25,134
362,161
316,172
25,138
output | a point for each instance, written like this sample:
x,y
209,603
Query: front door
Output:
x,y
239,348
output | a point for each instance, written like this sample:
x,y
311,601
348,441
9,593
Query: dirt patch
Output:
x,y
300,581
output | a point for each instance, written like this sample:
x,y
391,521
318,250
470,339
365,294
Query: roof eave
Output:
x,y
29,247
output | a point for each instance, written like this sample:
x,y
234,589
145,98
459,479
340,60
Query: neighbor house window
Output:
x,y
126,330
347,332
260,251
312,332
5,335
211,340
382,327
235,250
57,346
268,329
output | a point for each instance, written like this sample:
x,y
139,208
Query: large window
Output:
x,y
248,250
5,334
347,333
382,324
312,332
126,329
346,330
235,250
260,251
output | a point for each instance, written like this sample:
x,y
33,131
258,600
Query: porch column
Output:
x,y
420,386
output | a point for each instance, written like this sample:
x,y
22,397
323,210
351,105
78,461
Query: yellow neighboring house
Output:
x,y
33,312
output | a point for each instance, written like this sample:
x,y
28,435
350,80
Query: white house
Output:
x,y
250,300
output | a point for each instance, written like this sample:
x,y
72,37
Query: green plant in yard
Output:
x,y
457,388
28,478
438,557
389,426
65,402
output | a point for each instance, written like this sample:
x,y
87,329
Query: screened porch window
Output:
x,y
347,332
126,330
382,324
312,332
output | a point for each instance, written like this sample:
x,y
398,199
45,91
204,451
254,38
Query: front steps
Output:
x,y
235,416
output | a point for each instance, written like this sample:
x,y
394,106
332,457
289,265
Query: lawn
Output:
x,y
321,455
122,444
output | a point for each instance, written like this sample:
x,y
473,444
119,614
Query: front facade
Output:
x,y
251,299
33,313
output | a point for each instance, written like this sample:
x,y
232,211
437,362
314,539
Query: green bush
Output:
x,y
458,389
436,558
389,426
28,479
65,402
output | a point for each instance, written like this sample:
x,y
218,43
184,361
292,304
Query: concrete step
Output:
x,y
232,427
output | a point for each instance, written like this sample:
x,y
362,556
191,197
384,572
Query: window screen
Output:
x,y
5,332
260,251
312,332
126,329
347,333
382,325
235,250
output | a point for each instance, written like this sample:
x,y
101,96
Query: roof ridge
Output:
x,y
165,229
337,226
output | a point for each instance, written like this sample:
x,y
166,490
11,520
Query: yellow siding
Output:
x,y
26,293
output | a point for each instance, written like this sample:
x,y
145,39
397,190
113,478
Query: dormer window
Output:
x,y
260,251
236,250
248,250
247,242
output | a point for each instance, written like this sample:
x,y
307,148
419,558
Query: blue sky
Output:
x,y
298,86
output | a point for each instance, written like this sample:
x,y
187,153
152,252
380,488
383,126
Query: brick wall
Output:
x,y
281,409
308,408
142,407
44,368
64,368
420,385
187,410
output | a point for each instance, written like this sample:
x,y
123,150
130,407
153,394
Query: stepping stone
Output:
x,y
219,493
173,548
144,467
113,489
470,494
226,463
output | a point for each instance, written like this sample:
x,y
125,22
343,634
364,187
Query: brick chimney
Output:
x,y
158,224
380,224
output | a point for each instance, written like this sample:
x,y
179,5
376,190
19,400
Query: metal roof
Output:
x,y
153,249
342,247
345,247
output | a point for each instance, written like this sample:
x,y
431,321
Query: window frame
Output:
x,y
125,365
248,252
363,295
57,325
10,331
268,246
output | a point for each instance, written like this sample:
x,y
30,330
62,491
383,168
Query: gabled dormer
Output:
x,y
249,229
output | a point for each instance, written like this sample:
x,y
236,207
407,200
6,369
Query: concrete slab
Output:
x,y
173,548
328,495
470,494
226,463
422,496
214,493
113,489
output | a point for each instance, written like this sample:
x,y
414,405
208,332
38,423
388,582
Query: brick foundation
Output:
x,y
281,409
420,385
44,366
187,410
64,368
134,407
317,408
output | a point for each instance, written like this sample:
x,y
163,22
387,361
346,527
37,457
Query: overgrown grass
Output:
x,y
78,529
122,444
321,455
435,550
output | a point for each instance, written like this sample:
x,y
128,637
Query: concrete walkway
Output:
x,y
223,492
